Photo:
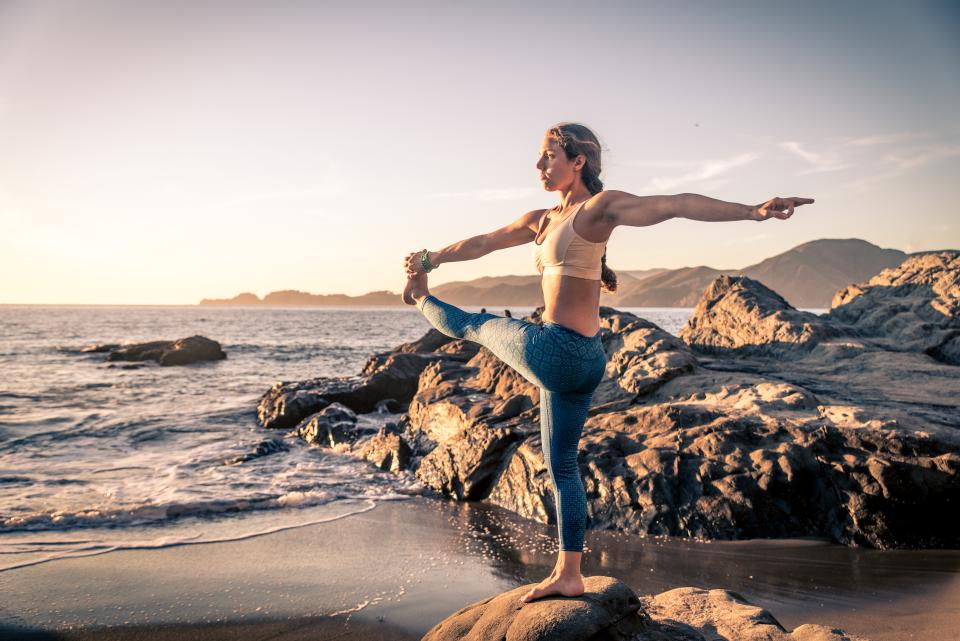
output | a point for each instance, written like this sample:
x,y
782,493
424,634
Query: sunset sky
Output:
x,y
163,152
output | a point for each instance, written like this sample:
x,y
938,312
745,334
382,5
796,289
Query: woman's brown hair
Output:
x,y
576,139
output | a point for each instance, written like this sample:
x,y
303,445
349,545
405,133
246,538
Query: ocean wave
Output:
x,y
78,427
32,551
152,514
25,397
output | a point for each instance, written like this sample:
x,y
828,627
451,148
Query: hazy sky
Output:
x,y
162,152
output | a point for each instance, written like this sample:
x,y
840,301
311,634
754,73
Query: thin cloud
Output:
x,y
662,164
904,162
821,162
487,194
701,171
922,156
884,139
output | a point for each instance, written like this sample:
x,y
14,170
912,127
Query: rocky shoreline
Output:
x,y
759,420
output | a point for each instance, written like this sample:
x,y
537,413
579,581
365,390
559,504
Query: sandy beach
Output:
x,y
395,570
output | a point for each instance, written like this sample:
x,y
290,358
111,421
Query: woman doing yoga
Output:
x,y
563,356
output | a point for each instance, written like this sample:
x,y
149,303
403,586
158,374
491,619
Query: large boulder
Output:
x,y
387,450
524,485
914,306
464,465
641,357
740,315
721,615
609,610
387,378
494,377
183,351
334,426
287,403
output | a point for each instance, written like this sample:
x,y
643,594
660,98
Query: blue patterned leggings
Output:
x,y
567,366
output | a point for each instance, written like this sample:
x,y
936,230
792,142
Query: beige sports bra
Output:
x,y
566,252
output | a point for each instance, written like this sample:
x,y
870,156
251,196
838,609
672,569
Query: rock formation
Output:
x,y
738,314
914,306
610,611
759,421
179,352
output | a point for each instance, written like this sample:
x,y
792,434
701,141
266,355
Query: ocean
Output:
x,y
98,456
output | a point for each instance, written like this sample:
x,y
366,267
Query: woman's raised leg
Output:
x,y
508,338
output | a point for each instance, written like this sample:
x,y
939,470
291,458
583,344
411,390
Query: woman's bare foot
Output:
x,y
416,288
569,585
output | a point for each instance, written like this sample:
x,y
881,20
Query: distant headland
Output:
x,y
807,276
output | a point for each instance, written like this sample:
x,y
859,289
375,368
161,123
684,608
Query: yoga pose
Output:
x,y
563,356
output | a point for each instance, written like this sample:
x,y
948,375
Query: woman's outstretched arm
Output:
x,y
622,208
516,233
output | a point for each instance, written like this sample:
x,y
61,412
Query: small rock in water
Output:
x,y
270,446
179,352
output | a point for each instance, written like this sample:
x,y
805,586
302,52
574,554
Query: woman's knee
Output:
x,y
449,319
564,467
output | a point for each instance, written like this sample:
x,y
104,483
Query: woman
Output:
x,y
564,356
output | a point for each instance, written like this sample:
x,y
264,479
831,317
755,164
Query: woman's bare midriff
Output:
x,y
572,302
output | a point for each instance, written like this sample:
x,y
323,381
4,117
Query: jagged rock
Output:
x,y
387,450
752,460
286,404
445,418
464,464
721,615
429,342
609,610
493,376
524,486
460,350
333,426
396,378
914,306
741,315
179,352
642,356
513,406
264,448
99,348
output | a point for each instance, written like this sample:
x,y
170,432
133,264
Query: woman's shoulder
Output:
x,y
535,216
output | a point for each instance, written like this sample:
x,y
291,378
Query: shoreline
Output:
x,y
400,568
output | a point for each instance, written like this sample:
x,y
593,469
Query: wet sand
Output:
x,y
396,570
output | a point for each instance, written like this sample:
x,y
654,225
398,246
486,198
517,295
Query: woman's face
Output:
x,y
556,172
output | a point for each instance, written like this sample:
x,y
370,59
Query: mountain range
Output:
x,y
807,276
